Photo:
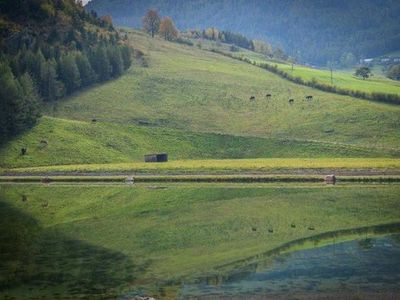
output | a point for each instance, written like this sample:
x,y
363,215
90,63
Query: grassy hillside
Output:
x,y
188,88
341,78
195,104
78,142
139,238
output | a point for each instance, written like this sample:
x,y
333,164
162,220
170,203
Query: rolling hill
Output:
x,y
195,104
377,83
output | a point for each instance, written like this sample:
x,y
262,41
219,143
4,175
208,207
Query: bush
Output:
x,y
184,41
234,48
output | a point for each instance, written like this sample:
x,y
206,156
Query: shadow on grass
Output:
x,y
40,263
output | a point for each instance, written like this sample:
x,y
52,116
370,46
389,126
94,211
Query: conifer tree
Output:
x,y
69,73
87,74
114,56
50,87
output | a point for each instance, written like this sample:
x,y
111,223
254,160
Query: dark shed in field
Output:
x,y
161,157
330,179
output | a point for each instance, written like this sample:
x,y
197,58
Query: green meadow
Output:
x,y
300,166
71,142
195,104
149,237
378,83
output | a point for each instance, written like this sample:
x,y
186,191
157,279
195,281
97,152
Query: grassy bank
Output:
x,y
197,178
290,165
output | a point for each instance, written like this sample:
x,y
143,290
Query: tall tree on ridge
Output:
x,y
151,22
167,29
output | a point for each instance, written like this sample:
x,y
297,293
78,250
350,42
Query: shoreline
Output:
x,y
231,178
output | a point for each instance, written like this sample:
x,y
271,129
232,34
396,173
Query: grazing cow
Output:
x,y
252,98
94,120
268,95
291,101
46,180
309,97
23,151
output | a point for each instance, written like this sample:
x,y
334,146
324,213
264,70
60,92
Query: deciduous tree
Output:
x,y
394,72
363,72
151,22
167,29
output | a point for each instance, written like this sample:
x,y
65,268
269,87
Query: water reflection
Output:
x,y
364,268
44,262
97,242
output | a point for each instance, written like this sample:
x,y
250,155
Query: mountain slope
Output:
x,y
50,49
313,31
191,89
195,104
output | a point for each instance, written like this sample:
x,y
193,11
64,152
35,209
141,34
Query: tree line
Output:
x,y
155,25
47,63
51,75
310,31
374,96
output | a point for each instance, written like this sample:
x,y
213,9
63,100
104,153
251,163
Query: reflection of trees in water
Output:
x,y
18,233
396,239
37,258
243,268
366,244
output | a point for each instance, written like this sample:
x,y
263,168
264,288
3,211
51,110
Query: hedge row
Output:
x,y
379,97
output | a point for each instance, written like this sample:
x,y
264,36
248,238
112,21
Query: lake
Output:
x,y
199,241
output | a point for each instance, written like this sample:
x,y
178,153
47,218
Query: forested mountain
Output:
x,y
50,49
313,31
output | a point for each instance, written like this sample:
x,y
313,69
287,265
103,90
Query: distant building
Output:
x,y
367,60
161,157
382,60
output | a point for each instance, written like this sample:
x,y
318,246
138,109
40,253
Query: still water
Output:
x,y
365,267
199,241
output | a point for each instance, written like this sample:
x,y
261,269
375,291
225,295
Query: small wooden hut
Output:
x,y
330,179
160,157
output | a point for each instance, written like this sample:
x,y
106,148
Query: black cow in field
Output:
x,y
268,95
291,101
309,97
24,151
252,98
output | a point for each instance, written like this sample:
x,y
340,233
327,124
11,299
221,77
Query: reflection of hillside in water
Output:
x,y
369,266
41,261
